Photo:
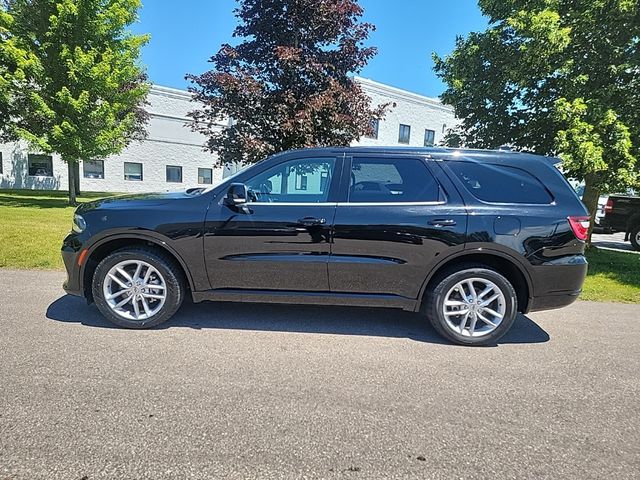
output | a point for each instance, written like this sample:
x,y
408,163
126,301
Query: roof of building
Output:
x,y
400,94
371,85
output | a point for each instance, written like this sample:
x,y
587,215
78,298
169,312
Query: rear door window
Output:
x,y
391,180
500,183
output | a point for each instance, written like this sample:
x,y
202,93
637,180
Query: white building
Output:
x,y
172,157
412,119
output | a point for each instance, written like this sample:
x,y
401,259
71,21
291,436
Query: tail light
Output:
x,y
580,227
608,208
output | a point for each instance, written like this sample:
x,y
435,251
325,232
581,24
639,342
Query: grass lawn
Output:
x,y
33,224
612,277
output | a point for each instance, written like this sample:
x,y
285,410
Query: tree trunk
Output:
x,y
71,170
590,200
77,177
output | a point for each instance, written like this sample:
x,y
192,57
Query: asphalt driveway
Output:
x,y
255,391
613,241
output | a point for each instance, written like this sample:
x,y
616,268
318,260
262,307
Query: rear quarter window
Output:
x,y
500,183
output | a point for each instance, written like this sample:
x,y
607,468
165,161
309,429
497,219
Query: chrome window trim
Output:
x,y
294,204
348,204
388,204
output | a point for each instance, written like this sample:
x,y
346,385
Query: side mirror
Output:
x,y
236,195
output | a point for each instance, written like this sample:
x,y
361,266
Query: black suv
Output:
x,y
467,238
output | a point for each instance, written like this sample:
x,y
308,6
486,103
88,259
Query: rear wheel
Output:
x,y
472,306
635,237
137,288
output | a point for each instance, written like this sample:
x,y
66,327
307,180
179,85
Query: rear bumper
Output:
x,y
550,302
558,282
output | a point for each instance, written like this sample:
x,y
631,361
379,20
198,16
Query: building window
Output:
x,y
405,134
205,175
133,171
324,181
373,129
302,181
444,128
40,165
429,138
174,174
1,170
93,168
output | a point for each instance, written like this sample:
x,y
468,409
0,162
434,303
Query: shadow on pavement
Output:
x,y
300,319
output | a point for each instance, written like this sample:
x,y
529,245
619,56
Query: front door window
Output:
x,y
297,181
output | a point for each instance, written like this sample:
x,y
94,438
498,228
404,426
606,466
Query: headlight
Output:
x,y
79,225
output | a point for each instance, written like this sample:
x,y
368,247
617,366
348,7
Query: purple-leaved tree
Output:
x,y
289,81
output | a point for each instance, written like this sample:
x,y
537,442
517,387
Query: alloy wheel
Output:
x,y
474,307
134,290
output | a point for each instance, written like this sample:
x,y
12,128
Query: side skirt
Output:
x,y
306,298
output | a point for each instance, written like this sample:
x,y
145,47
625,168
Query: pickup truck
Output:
x,y
622,214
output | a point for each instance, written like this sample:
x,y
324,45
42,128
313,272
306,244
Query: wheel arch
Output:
x,y
503,263
99,250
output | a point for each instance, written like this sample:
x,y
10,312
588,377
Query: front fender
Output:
x,y
197,279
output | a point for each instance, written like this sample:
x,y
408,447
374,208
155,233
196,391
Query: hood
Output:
x,y
136,201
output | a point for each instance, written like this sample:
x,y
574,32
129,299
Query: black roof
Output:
x,y
469,154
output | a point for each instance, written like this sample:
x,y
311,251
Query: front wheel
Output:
x,y
472,306
137,288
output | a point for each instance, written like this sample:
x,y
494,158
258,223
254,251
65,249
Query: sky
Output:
x,y
407,32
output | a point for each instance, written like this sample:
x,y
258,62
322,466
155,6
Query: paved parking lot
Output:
x,y
613,241
250,391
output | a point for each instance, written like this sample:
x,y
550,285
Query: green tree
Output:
x,y
288,83
17,67
85,91
557,77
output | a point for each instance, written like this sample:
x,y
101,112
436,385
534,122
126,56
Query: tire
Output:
x,y
635,237
165,279
478,333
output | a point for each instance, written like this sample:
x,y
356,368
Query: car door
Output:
x,y
397,216
278,240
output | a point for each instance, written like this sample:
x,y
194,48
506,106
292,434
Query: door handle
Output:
x,y
311,221
443,222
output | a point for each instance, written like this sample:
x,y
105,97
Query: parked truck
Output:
x,y
622,214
